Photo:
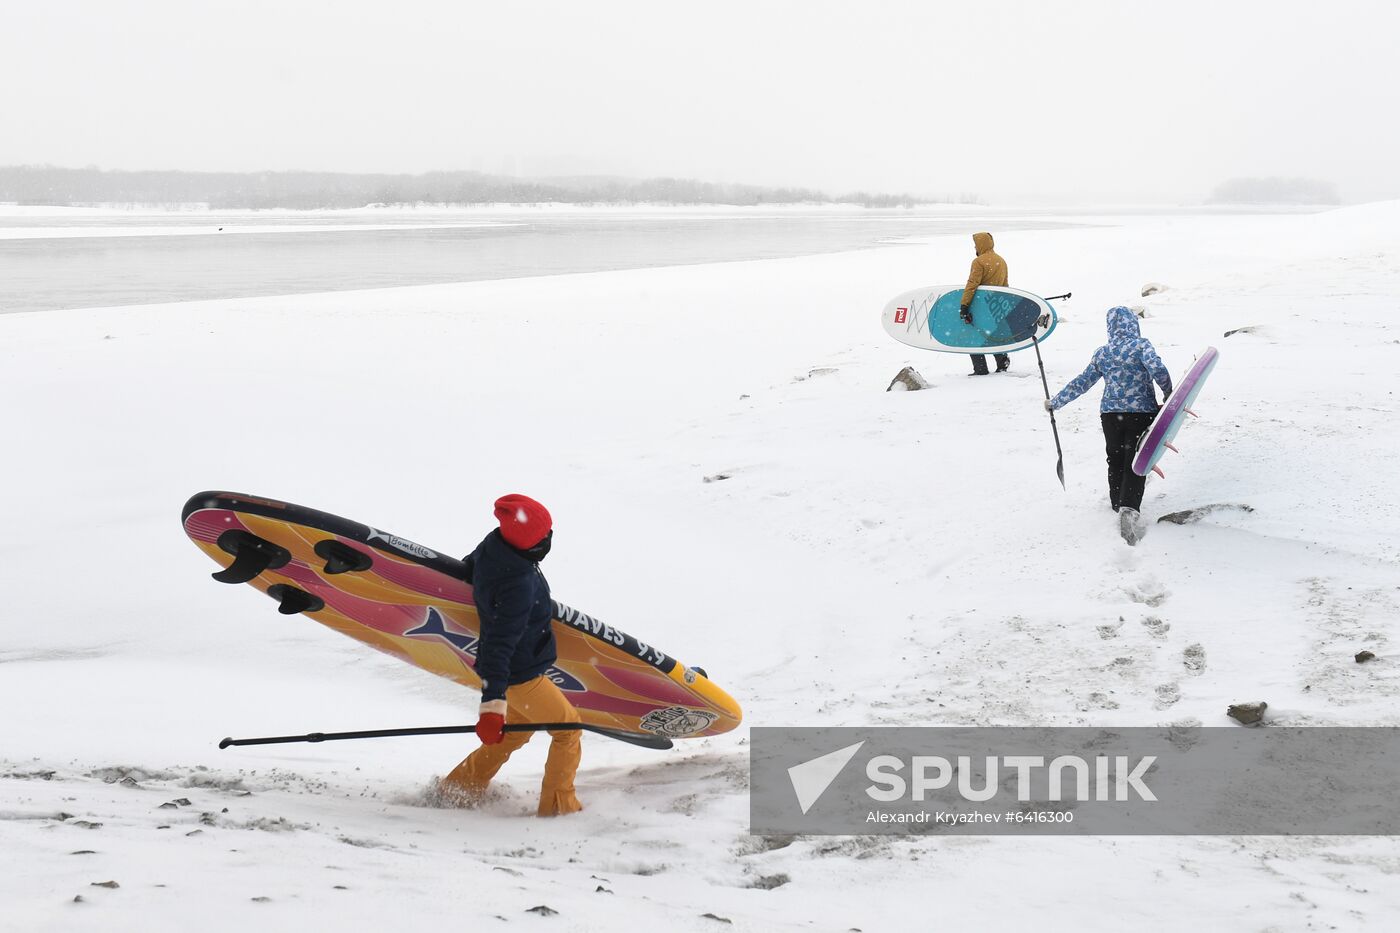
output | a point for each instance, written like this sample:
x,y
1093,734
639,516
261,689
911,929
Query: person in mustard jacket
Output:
x,y
987,269
513,659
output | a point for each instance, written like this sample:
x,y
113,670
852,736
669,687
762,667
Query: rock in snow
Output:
x,y
1248,714
907,380
1187,516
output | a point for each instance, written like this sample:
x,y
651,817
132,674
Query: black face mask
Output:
x,y
538,552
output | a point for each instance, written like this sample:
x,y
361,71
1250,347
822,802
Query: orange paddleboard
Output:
x,y
411,601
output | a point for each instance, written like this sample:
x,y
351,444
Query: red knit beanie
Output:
x,y
524,522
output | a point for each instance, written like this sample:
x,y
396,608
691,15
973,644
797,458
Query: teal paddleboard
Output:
x,y
1003,320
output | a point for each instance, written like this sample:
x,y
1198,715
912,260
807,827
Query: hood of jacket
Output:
x,y
983,242
1122,324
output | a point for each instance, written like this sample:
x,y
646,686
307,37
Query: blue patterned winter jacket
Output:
x,y
1128,364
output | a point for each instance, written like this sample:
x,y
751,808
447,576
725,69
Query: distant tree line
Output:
x,y
1275,191
50,185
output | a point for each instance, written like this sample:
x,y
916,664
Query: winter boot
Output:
x,y
1003,362
1130,526
979,364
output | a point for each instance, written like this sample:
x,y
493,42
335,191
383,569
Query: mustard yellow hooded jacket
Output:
x,y
987,269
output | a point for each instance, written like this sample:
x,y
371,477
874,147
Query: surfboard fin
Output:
x,y
341,557
251,556
1192,413
1171,448
1158,471
291,600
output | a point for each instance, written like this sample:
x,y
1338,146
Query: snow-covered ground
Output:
x,y
871,558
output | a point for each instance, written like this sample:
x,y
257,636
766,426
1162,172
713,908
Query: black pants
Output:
x,y
979,362
1121,432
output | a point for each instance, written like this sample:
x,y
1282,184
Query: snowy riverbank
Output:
x,y
871,557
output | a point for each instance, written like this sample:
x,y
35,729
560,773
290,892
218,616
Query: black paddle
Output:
x,y
645,740
1054,429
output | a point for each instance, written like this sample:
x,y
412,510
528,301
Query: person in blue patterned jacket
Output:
x,y
1128,364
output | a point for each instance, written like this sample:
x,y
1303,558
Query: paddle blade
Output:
x,y
644,739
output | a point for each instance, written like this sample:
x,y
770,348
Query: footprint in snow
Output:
x,y
1097,701
1156,626
1149,594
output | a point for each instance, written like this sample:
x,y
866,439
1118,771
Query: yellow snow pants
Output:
x,y
537,700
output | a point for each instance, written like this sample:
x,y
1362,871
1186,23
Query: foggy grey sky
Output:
x,y
1015,100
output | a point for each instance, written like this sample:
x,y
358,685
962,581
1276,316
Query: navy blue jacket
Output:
x,y
513,602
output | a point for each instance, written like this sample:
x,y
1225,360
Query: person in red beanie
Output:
x,y
514,653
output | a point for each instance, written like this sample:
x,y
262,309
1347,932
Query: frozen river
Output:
x,y
51,262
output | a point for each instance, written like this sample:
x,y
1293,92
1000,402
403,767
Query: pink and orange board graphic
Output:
x,y
410,601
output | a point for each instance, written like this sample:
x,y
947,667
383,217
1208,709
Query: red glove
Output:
x,y
490,720
488,728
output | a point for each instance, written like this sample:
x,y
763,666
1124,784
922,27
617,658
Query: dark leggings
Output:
x,y
1121,432
979,362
